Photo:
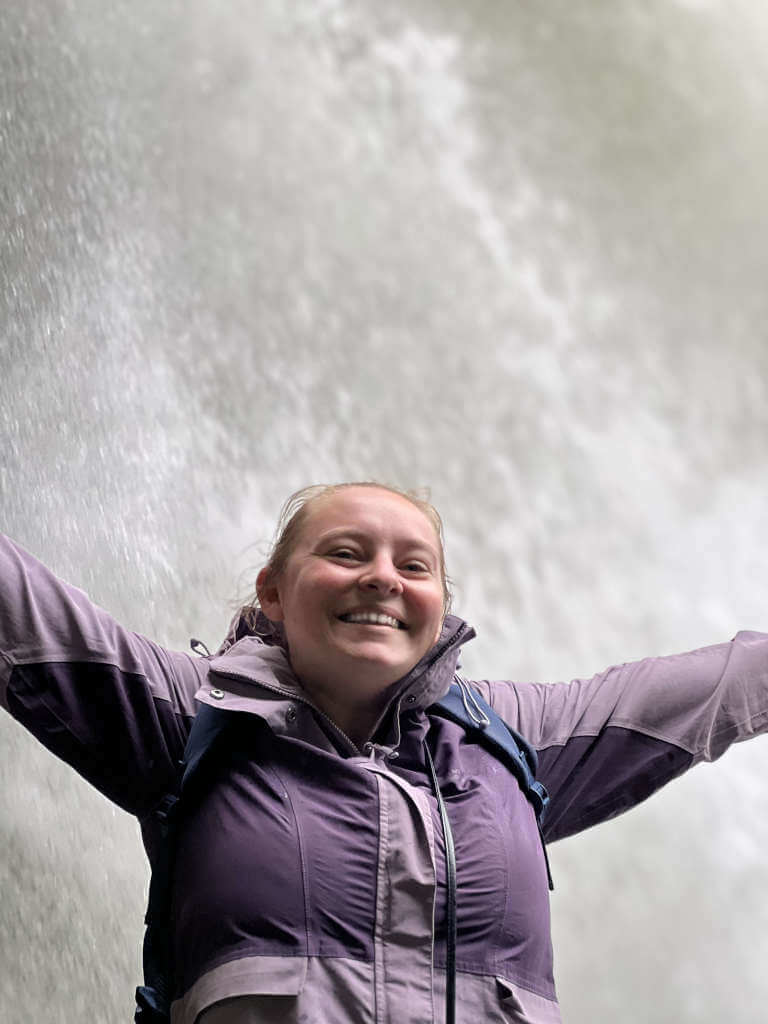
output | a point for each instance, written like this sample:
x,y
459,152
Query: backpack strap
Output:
x,y
153,998
492,732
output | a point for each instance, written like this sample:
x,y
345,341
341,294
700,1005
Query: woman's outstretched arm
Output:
x,y
607,743
112,704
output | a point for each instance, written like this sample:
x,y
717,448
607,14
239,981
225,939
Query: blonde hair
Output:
x,y
294,515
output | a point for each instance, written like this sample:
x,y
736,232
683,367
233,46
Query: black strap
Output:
x,y
450,911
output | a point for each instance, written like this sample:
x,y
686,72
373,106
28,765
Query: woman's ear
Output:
x,y
268,595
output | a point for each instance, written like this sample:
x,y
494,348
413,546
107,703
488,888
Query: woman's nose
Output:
x,y
381,575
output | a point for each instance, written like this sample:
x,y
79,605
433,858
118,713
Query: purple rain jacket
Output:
x,y
309,883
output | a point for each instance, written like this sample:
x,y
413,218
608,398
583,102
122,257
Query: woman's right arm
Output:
x,y
112,704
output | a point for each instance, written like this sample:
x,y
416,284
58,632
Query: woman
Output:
x,y
309,875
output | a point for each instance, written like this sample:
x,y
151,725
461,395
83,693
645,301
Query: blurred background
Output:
x,y
516,253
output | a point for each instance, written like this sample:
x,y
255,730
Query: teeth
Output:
x,y
375,617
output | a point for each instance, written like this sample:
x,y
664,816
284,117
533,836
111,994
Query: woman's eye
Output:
x,y
348,555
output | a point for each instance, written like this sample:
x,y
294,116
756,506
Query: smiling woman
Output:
x,y
361,595
365,847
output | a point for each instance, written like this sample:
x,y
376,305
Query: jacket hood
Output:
x,y
268,632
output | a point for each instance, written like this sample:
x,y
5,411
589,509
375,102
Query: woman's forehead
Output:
x,y
368,509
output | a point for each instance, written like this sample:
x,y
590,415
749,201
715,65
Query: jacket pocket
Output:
x,y
511,1007
252,990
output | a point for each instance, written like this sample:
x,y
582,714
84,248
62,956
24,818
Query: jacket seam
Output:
x,y
302,858
379,952
613,724
695,751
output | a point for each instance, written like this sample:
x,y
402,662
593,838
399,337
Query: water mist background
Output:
x,y
516,252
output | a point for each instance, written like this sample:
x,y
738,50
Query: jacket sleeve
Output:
x,y
607,743
112,704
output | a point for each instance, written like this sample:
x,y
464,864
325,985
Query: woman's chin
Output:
x,y
375,659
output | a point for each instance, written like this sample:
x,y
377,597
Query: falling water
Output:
x,y
515,252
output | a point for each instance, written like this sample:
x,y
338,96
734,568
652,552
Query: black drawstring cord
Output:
x,y
546,858
450,913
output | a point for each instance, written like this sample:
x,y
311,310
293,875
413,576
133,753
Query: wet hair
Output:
x,y
295,513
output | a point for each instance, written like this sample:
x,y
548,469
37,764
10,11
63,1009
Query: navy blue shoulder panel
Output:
x,y
210,722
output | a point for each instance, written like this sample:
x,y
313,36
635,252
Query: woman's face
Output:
x,y
362,550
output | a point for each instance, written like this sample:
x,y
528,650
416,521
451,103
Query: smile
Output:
x,y
372,619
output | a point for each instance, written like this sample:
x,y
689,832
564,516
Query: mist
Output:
x,y
514,253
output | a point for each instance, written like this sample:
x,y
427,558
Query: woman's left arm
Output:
x,y
607,743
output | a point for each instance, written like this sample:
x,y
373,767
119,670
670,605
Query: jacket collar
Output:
x,y
257,657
